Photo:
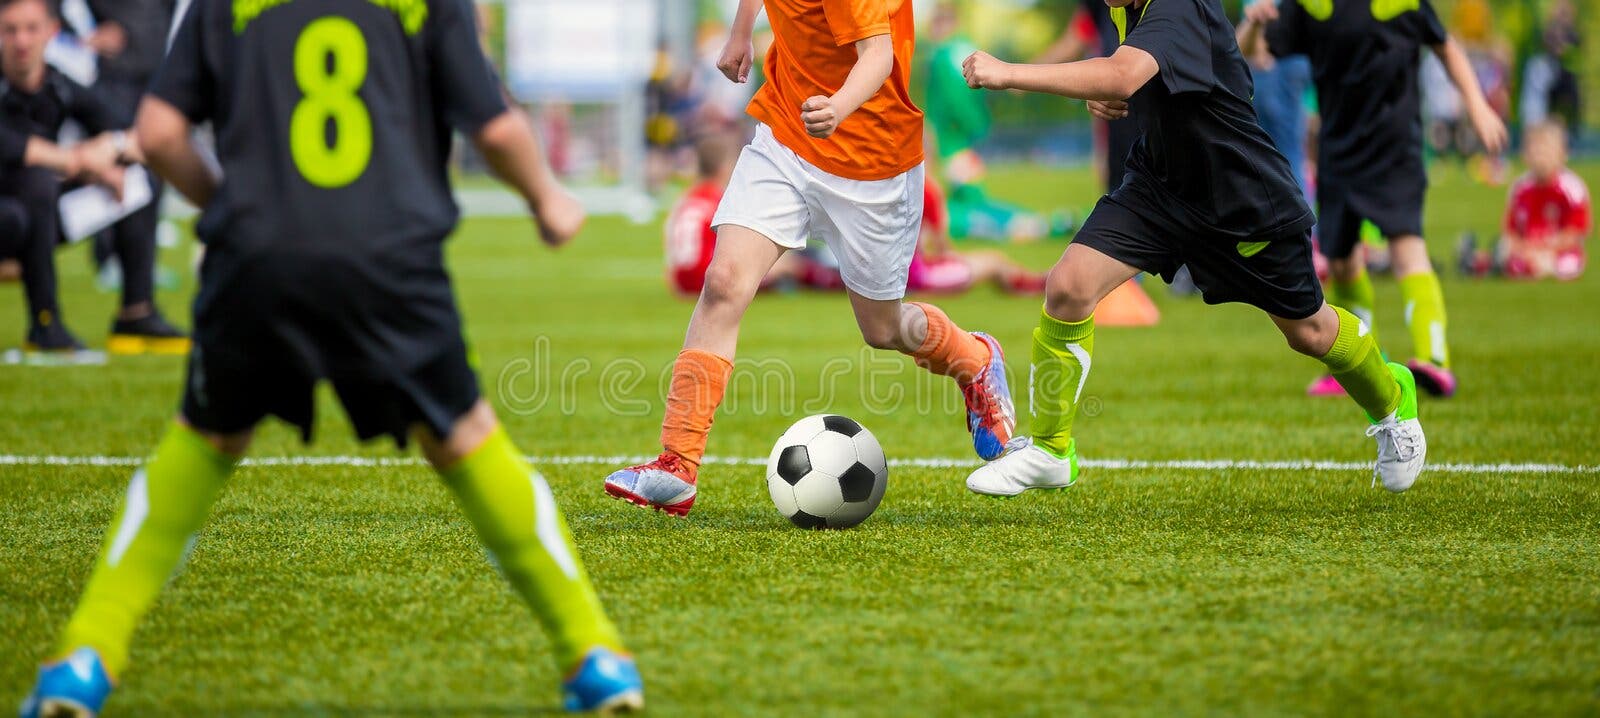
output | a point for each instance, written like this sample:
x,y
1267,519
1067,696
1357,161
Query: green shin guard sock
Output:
x,y
1425,317
167,502
1062,354
1359,367
516,517
1358,297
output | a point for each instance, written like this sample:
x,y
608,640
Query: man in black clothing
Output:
x,y
35,100
1204,187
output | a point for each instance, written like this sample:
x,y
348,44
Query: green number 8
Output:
x,y
330,95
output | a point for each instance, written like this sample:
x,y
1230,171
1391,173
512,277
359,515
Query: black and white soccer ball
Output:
x,y
827,471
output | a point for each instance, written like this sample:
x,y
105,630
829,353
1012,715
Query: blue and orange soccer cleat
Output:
x,y
606,683
991,417
663,484
74,687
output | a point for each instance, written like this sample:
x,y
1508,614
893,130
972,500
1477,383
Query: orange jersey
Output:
x,y
813,51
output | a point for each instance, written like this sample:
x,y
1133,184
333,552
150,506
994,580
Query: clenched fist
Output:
x,y
983,71
820,117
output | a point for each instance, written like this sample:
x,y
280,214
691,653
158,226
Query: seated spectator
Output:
x,y
1547,218
36,100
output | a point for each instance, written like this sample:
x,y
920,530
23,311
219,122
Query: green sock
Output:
x,y
1356,362
1357,296
516,517
167,502
1061,360
1425,317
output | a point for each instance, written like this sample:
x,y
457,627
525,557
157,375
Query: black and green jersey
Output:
x,y
1202,162
332,118
1365,59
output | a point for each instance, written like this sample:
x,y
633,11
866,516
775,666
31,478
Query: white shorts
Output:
x,y
872,226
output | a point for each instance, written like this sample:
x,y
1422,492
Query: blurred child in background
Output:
x,y
1547,216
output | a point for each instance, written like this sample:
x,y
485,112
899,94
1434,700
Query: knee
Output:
x,y
1313,336
727,285
1346,269
1067,297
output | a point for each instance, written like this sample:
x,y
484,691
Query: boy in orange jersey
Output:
x,y
838,156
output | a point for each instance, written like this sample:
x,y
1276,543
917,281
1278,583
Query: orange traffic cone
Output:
x,y
1127,306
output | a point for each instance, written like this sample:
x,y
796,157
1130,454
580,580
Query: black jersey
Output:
x,y
1203,157
1365,59
42,113
332,119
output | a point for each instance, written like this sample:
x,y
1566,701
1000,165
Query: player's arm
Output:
x,y
874,63
509,144
739,53
1101,79
1251,31
1485,121
167,140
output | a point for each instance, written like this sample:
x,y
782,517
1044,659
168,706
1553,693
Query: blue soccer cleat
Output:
x,y
74,687
991,417
606,683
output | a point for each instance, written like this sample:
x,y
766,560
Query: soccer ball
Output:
x,y
827,472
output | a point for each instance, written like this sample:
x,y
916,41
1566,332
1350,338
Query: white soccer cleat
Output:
x,y
1025,466
1402,450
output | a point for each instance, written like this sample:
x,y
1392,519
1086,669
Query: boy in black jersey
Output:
x,y
1365,59
324,260
1204,187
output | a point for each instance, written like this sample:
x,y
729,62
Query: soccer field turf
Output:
x,y
351,589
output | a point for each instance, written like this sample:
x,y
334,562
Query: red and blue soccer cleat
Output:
x,y
991,417
664,484
73,687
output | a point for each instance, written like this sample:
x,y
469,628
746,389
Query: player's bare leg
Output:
x,y
1385,391
167,502
700,374
1063,350
973,359
1425,315
516,518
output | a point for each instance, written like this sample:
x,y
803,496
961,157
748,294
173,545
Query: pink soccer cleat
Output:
x,y
1326,385
1432,378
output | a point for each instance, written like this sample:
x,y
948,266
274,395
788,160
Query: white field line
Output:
x,y
924,463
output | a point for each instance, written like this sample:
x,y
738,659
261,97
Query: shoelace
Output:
x,y
978,399
1405,443
669,463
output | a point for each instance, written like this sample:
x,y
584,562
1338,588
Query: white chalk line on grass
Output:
x,y
922,463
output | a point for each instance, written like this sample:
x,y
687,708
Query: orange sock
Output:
x,y
698,380
949,350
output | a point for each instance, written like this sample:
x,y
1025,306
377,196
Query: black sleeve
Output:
x,y
464,86
184,81
87,109
13,148
1425,25
1176,34
1287,36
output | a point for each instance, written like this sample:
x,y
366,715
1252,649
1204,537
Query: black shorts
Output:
x,y
1276,276
1394,206
386,335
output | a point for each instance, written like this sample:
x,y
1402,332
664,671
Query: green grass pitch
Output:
x,y
359,590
